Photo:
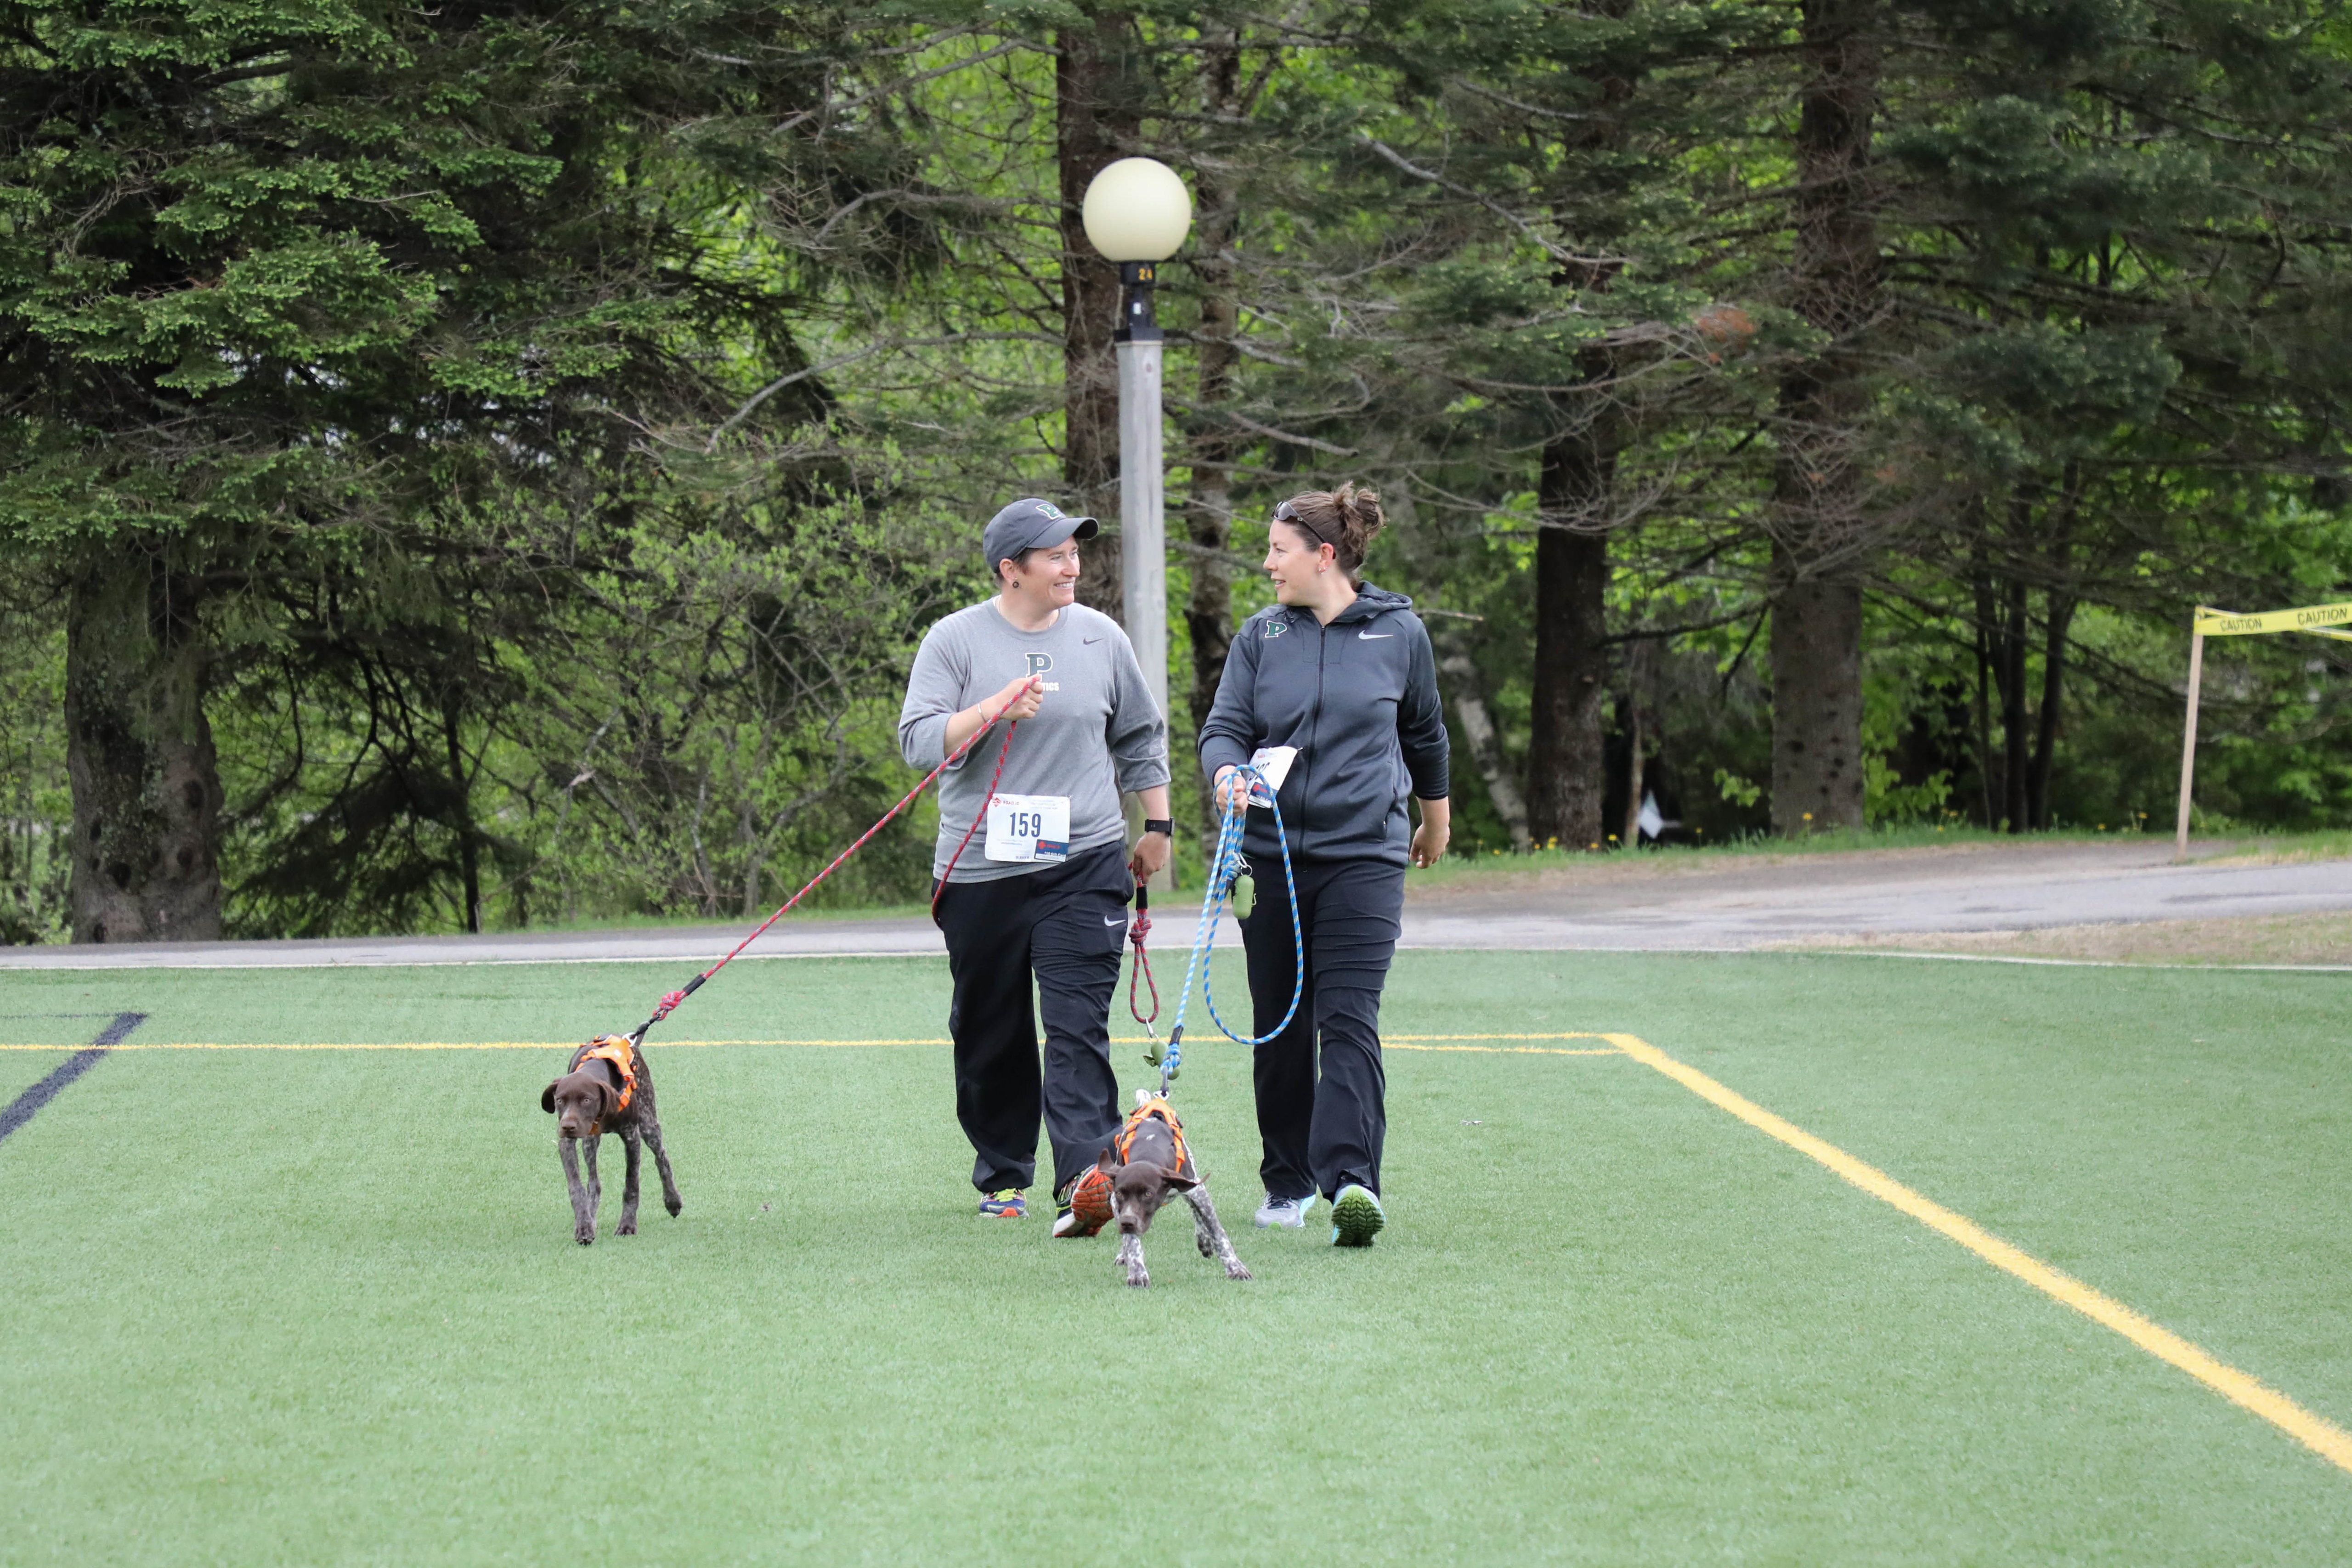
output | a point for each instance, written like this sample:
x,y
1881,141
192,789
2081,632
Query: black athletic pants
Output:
x,y
1066,925
1321,1132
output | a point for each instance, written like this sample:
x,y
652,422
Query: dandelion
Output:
x,y
1809,815
1613,838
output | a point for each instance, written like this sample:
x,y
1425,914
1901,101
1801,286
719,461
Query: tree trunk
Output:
x,y
1983,583
1821,535
1461,682
1097,106
2061,611
1817,776
2016,756
752,859
1567,772
1208,515
1567,768
461,812
1632,835
146,784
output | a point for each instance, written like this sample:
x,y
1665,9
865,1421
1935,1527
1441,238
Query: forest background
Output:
x,y
491,465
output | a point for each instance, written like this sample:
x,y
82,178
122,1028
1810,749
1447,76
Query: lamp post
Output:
x,y
1136,212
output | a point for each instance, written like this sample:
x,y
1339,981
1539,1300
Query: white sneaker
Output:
x,y
1289,1213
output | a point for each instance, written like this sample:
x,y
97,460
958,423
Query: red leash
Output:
x,y
669,1002
957,859
1135,932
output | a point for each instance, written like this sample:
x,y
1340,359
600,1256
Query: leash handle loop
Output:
x,y
1135,932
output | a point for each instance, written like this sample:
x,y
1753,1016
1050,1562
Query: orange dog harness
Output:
x,y
1154,1109
616,1049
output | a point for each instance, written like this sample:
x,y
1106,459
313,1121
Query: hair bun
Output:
x,y
1359,515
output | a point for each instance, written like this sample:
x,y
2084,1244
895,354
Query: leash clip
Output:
x,y
1171,1061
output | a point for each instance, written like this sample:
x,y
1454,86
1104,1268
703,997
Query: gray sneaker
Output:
x,y
1288,1213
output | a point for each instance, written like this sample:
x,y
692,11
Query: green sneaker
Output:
x,y
1011,1203
1355,1216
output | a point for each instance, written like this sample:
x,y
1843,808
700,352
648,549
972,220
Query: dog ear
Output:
x,y
1179,1181
1167,1177
1106,1163
546,1098
612,1100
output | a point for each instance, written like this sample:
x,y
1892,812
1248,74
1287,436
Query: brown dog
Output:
x,y
1148,1160
607,1089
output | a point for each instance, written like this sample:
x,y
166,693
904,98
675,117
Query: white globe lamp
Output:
x,y
1137,209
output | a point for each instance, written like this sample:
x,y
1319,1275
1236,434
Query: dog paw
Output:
x,y
1202,1243
584,1235
673,1204
1238,1271
1139,1279
628,1228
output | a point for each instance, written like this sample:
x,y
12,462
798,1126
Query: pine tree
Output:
x,y
286,292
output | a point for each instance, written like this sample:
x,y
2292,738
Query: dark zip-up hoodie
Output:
x,y
1359,698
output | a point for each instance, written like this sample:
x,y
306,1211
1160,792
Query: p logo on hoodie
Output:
x,y
1275,628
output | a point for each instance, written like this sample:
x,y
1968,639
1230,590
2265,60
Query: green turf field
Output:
x,y
324,1306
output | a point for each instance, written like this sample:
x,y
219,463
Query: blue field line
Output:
x,y
28,1105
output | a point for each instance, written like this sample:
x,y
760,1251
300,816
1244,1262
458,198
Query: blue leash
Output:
x,y
1224,865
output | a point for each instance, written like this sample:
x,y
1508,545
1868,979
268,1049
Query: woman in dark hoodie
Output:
x,y
1342,671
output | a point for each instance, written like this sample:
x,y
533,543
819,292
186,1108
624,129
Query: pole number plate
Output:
x,y
1029,828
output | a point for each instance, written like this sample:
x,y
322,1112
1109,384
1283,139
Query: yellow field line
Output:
x,y
1399,1043
1504,1050
2316,1433
1576,1034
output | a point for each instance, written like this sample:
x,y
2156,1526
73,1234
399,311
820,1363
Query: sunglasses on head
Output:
x,y
1288,513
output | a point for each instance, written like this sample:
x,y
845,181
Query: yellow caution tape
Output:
x,y
2310,618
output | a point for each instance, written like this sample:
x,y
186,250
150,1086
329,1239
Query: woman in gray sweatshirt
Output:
x,y
1342,671
1040,891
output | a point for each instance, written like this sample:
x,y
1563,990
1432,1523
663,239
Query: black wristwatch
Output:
x,y
1165,828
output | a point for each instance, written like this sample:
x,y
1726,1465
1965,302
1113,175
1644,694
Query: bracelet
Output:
x,y
1163,826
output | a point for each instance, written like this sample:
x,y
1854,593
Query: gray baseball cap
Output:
x,y
1031,524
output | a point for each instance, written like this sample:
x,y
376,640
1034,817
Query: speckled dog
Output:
x,y
606,1089
1146,1162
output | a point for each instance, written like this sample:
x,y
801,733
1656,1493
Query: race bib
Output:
x,y
1272,763
1029,828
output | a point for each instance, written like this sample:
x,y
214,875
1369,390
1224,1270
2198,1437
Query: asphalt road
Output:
x,y
1617,903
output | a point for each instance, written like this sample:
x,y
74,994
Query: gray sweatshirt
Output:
x,y
1097,732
